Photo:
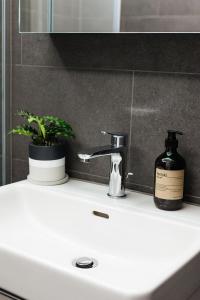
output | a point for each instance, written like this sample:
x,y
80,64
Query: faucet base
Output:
x,y
116,197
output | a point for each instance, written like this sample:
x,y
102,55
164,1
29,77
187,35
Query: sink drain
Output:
x,y
85,263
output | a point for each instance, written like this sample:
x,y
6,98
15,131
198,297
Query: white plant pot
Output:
x,y
47,164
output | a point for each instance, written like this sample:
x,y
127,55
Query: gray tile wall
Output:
x,y
136,83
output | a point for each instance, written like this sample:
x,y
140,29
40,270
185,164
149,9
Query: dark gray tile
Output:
x,y
19,144
88,177
20,169
90,101
139,187
148,52
164,102
16,36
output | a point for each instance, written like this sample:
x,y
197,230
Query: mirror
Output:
x,y
109,16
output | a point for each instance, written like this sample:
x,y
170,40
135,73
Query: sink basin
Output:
x,y
142,253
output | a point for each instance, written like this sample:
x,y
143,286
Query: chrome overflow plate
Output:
x,y
84,263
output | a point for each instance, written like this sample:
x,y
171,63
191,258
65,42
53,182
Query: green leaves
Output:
x,y
56,127
24,130
44,130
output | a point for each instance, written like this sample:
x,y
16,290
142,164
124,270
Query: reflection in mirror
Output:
x,y
110,15
70,15
34,15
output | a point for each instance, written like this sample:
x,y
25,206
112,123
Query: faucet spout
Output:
x,y
95,152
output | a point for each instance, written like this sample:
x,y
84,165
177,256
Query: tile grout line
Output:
x,y
88,174
106,178
140,185
74,68
104,69
21,51
131,119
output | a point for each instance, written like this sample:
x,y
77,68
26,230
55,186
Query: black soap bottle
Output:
x,y
169,175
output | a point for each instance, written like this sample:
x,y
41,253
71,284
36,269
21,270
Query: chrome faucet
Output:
x,y
118,153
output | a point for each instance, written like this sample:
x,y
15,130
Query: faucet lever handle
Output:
x,y
117,139
107,133
129,174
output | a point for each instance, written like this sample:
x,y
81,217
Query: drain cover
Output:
x,y
85,263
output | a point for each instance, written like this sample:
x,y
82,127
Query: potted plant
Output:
x,y
47,149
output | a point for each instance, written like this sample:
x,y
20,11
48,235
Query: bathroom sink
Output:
x,y
140,252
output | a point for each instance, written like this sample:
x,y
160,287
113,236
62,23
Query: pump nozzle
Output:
x,y
171,140
174,132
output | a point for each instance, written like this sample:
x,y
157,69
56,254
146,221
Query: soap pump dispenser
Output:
x,y
169,175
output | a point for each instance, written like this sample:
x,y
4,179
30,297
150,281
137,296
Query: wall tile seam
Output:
x,y
107,178
69,170
138,184
130,123
88,174
167,73
21,52
74,68
131,184
108,70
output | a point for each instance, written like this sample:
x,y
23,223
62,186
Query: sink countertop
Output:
x,y
138,249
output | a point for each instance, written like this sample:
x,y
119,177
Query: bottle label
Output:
x,y
169,184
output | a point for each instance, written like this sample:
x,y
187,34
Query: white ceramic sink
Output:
x,y
142,253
